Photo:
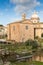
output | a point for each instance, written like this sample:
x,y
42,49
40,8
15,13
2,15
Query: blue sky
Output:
x,y
11,10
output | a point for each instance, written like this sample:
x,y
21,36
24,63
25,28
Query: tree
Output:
x,y
32,43
36,37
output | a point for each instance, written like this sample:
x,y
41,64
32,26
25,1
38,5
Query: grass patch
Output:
x,y
27,63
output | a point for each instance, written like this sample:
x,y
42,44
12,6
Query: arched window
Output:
x,y
42,35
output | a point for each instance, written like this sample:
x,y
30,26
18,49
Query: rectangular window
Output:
x,y
26,27
13,27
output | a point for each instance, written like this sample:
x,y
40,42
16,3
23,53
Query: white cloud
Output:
x,y
19,1
24,5
24,1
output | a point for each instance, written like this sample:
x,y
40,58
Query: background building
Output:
x,y
25,29
3,32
